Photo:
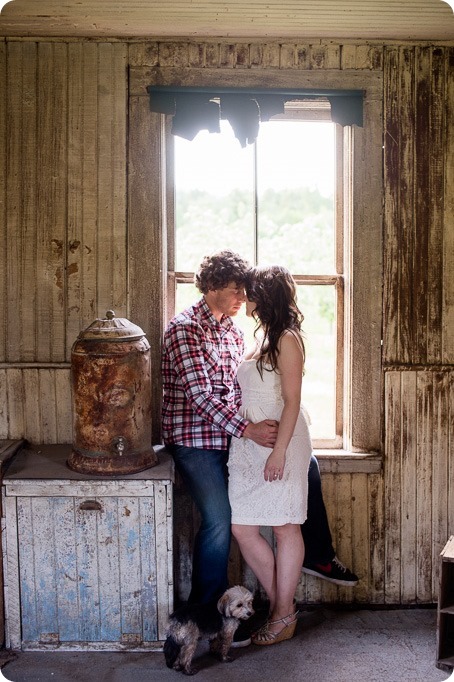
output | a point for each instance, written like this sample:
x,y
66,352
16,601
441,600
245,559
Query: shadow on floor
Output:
x,y
329,646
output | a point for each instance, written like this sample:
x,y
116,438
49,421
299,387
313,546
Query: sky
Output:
x,y
297,155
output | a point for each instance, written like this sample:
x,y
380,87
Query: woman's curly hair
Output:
x,y
273,290
217,270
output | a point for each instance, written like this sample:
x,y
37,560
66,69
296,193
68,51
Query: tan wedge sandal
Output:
x,y
265,636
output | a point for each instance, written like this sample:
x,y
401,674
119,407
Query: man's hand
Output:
x,y
263,433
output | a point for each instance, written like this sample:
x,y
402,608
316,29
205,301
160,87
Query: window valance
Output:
x,y
197,108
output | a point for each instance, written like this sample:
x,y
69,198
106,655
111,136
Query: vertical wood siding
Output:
x,y
419,481
65,199
3,138
419,212
63,205
147,234
418,317
36,404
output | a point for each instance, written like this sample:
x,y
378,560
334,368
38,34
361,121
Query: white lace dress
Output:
x,y
255,501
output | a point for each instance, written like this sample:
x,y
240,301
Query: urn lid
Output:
x,y
111,328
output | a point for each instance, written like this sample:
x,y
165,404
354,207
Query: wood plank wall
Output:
x,y
64,260
419,211
63,209
418,310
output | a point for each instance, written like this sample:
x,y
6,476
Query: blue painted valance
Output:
x,y
194,109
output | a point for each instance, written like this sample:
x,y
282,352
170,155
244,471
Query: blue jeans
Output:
x,y
205,474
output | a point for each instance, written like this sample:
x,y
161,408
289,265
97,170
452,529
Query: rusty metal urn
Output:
x,y
111,392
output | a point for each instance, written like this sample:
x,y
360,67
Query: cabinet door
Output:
x,y
90,569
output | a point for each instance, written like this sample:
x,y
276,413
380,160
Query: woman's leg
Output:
x,y
289,560
259,556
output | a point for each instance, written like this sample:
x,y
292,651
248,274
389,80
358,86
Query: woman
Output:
x,y
269,487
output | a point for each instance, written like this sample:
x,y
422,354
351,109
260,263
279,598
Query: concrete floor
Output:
x,y
329,646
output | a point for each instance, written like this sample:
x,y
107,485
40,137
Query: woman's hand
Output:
x,y
274,467
290,367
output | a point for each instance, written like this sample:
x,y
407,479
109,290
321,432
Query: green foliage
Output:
x,y
295,229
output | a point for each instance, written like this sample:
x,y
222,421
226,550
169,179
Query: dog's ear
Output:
x,y
223,604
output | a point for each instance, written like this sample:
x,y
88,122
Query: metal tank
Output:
x,y
111,391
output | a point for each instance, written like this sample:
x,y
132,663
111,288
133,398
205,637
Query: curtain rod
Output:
x,y
177,89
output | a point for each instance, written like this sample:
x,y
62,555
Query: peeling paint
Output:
x,y
72,269
74,245
57,246
58,278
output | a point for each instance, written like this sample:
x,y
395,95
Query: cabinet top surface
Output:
x,y
47,462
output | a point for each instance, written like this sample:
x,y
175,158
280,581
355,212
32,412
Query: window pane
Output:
x,y
295,186
294,176
186,295
214,201
318,304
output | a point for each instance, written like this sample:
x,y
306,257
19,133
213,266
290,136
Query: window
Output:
x,y
276,201
151,221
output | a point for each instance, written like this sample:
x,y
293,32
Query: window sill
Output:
x,y
348,462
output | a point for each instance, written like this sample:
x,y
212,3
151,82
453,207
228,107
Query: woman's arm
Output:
x,y
290,367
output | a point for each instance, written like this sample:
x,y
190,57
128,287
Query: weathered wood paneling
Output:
x,y
147,234
448,217
97,264
51,158
258,55
36,404
418,314
418,205
3,156
311,21
63,204
419,481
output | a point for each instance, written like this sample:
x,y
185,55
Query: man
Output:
x,y
202,350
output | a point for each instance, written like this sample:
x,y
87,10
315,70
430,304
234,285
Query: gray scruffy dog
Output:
x,y
215,622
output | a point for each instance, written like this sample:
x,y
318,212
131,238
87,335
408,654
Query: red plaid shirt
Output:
x,y
200,359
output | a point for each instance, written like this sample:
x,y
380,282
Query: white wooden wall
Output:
x,y
36,404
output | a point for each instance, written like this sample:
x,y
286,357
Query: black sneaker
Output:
x,y
334,572
242,637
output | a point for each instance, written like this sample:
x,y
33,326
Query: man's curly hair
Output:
x,y
217,270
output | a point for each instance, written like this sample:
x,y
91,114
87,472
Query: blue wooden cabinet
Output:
x,y
87,561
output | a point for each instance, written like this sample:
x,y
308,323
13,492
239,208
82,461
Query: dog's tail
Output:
x,y
171,650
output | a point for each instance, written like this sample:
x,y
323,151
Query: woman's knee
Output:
x,y
237,531
244,533
289,531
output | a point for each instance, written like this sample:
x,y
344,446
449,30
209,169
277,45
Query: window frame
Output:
x,y
303,111
150,187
